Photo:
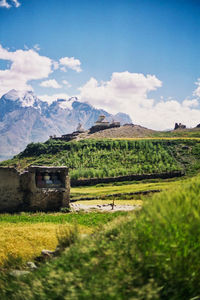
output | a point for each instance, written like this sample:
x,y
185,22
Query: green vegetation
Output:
x,y
184,133
111,158
92,219
122,189
150,254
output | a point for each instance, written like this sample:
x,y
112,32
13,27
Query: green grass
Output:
x,y
183,133
153,254
124,188
111,158
92,219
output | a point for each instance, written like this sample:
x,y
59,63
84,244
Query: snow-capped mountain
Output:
x,y
24,118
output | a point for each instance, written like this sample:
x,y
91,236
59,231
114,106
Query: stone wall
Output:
x,y
93,181
11,196
18,192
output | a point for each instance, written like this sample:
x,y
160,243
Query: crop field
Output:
x,y
152,253
23,236
123,188
111,158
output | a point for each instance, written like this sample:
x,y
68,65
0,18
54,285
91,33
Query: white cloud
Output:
x,y
25,65
197,91
36,47
4,3
55,65
190,103
63,104
66,83
9,4
128,92
70,63
64,69
50,83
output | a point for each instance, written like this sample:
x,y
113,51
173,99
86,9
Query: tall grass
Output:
x,y
151,254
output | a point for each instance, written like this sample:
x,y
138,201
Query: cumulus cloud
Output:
x,y
190,103
128,92
70,63
65,103
50,83
66,83
9,4
25,65
4,3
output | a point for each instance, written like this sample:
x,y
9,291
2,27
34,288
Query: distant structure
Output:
x,y
70,136
102,124
80,128
179,126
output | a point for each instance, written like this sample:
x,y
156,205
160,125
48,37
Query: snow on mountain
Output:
x,y
24,118
25,98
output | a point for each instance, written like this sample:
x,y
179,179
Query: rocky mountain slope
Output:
x,y
24,118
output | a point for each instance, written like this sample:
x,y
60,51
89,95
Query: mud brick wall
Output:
x,y
11,196
18,192
93,181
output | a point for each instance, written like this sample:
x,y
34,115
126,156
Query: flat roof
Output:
x,y
48,168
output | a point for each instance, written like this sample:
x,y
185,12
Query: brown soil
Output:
x,y
126,131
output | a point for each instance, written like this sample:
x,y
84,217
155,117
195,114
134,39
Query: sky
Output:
x,y
140,57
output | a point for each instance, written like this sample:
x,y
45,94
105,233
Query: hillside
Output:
x,y
110,158
137,131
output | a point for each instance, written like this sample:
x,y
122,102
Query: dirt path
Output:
x,y
103,207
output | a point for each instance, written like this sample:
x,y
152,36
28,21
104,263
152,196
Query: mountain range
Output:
x,y
25,118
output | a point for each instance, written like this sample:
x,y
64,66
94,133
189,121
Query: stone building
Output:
x,y
70,136
102,124
39,188
179,126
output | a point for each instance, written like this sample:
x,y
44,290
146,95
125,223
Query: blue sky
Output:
x,y
114,46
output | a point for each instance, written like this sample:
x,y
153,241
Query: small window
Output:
x,y
49,180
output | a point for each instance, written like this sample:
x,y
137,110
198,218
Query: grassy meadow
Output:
x,y
24,236
152,253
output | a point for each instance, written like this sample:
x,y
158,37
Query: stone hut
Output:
x,y
39,188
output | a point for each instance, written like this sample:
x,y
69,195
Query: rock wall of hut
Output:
x,y
18,192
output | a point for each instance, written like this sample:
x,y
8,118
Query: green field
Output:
x,y
111,158
152,253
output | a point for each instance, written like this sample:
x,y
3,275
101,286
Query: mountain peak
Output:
x,y
12,95
24,98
